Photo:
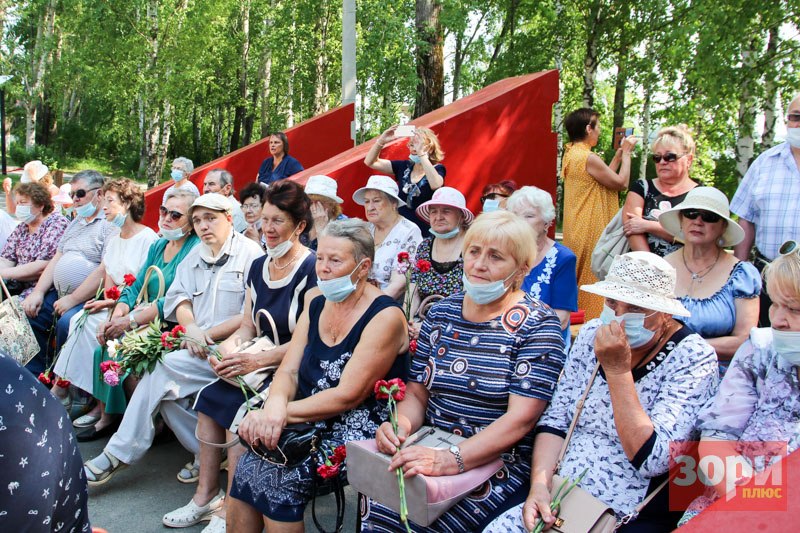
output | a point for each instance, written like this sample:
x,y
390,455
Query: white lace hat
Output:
x,y
707,199
378,182
446,196
643,279
33,171
323,186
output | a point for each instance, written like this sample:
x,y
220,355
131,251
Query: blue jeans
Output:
x,y
42,326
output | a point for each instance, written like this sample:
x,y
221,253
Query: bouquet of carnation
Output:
x,y
405,267
138,351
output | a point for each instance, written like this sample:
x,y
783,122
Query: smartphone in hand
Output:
x,y
619,135
406,130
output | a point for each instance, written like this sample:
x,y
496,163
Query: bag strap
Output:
x,y
578,409
230,444
17,311
144,295
269,318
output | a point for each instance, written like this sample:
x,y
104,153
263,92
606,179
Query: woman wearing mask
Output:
x,y
124,255
182,168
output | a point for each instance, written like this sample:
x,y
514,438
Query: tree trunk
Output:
x,y
430,57
592,60
558,116
320,104
771,90
239,117
508,24
33,79
619,92
197,133
218,126
747,114
645,131
265,122
457,66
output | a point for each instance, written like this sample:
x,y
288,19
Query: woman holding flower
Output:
x,y
349,336
485,367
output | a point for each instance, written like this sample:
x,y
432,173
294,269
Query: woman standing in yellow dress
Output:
x,y
591,195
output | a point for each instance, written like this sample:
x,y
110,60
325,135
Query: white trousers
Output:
x,y
169,390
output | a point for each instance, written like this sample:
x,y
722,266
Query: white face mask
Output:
x,y
24,214
793,136
787,344
282,248
171,234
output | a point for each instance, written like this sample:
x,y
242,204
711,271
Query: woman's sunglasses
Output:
x,y
175,215
789,247
707,216
493,196
80,193
669,157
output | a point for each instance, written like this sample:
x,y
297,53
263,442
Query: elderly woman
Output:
x,y
252,199
486,364
349,336
418,176
673,153
759,398
182,168
325,205
391,232
591,195
449,219
647,375
719,291
279,164
552,278
124,255
494,195
34,241
33,172
277,283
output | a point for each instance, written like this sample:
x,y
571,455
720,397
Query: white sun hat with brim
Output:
x,y
33,171
643,279
706,199
63,197
323,186
385,184
449,197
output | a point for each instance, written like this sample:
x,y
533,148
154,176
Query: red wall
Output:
x,y
310,142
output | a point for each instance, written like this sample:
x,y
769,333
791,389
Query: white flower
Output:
x,y
111,347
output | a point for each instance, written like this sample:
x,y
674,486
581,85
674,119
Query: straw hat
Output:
x,y
381,183
33,171
446,196
707,199
323,186
643,279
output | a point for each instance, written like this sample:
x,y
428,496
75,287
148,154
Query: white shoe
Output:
x,y
191,513
217,525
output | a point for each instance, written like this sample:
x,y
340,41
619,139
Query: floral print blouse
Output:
x,y
24,247
434,281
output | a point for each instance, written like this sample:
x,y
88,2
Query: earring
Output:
x,y
721,242
680,234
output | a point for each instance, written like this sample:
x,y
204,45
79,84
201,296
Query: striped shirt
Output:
x,y
82,247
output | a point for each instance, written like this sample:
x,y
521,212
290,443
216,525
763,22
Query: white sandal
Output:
x,y
191,513
217,525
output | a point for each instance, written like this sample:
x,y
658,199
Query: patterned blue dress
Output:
x,y
471,369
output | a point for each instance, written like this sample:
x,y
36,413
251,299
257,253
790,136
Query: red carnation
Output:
x,y
45,379
113,293
382,390
339,454
412,346
63,383
105,366
397,388
423,266
328,471
402,256
177,331
130,279
165,340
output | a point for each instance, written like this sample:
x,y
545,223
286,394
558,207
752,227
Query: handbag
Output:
x,y
612,242
428,497
261,343
144,296
16,335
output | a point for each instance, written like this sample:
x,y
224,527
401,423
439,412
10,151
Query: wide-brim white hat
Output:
x,y
446,196
643,279
63,197
323,186
707,199
33,171
381,183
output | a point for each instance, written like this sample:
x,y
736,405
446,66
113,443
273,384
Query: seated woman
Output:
x,y
552,279
182,168
759,398
494,195
325,206
486,364
280,164
34,241
124,255
449,219
720,291
252,198
349,336
653,377
391,232
177,240
673,153
418,176
277,283
32,172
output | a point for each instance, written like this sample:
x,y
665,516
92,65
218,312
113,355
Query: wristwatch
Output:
x,y
132,321
455,451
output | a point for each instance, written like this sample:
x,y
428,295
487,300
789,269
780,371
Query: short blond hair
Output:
x,y
504,229
430,144
784,274
679,136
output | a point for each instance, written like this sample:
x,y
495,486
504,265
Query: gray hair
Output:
x,y
391,199
187,163
356,231
185,194
535,197
92,178
225,177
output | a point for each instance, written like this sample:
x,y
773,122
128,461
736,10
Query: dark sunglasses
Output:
x,y
175,215
493,196
789,247
707,216
669,157
80,193
793,117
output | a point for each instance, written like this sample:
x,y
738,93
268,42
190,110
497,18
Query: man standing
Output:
x,y
767,202
220,181
207,298
73,274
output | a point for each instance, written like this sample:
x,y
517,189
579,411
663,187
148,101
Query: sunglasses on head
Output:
x,y
493,196
175,215
707,216
669,157
80,193
789,247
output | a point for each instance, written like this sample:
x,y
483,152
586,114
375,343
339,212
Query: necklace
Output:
x,y
275,261
697,276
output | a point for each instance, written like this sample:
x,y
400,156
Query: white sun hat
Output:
x,y
33,171
643,279
323,186
63,197
707,199
446,196
381,183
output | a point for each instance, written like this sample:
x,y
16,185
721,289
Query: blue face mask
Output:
x,y
491,205
337,289
119,220
414,158
171,234
487,292
86,210
177,175
23,213
637,334
449,235
787,344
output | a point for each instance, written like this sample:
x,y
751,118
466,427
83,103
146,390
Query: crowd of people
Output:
x,y
472,310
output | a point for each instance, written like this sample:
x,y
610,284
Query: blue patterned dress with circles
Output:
x,y
470,370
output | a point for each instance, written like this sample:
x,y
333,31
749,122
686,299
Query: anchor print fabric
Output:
x,y
42,484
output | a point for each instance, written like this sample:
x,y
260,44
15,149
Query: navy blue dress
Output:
x,y
281,493
414,194
287,167
42,484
